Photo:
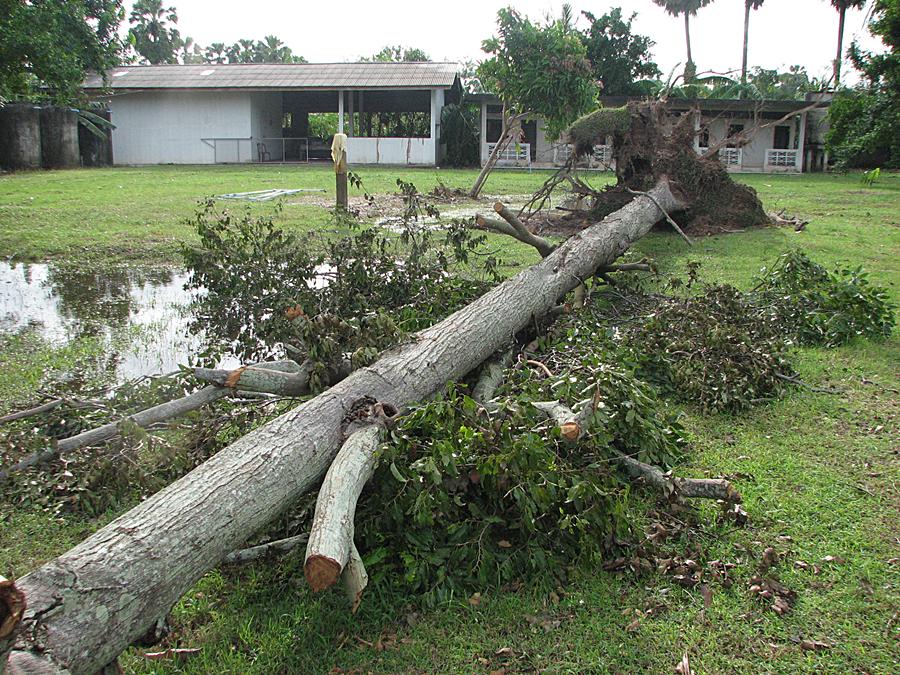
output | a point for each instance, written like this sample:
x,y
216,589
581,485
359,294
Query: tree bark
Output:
x,y
88,605
687,37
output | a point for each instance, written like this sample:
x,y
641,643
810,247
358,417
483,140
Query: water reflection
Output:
x,y
141,314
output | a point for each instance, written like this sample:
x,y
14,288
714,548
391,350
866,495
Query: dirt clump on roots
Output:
x,y
649,144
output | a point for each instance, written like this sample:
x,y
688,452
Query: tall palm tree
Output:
x,y
688,8
842,6
153,32
748,5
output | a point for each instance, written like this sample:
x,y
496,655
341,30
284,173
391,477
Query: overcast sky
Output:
x,y
782,32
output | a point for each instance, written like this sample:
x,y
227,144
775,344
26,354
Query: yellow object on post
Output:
x,y
339,157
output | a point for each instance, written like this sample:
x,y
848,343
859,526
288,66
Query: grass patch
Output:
x,y
818,471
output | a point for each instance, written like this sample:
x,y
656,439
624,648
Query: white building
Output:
x,y
209,114
778,145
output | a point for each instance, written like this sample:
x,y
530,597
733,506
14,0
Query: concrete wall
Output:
x,y
167,127
59,138
413,151
20,136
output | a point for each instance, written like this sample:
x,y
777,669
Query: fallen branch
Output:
x,y
86,606
31,412
523,234
665,213
293,380
490,378
145,418
277,547
627,267
669,485
331,533
572,426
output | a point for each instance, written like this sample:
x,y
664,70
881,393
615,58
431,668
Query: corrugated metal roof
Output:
x,y
279,76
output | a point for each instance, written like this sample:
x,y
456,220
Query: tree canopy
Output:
x,y
398,53
153,34
865,123
618,56
539,69
46,47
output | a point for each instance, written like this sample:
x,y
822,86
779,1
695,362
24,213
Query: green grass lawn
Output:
x,y
818,471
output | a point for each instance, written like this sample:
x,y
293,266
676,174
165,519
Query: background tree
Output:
x,y
536,71
618,57
842,6
865,123
46,47
398,53
686,8
748,5
272,50
217,52
153,33
190,52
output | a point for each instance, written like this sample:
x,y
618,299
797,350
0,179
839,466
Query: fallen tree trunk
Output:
x,y
88,605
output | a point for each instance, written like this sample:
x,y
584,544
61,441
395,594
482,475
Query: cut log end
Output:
x,y
321,572
571,431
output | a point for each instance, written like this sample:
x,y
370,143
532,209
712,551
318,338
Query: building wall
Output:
x,y
413,151
754,153
167,127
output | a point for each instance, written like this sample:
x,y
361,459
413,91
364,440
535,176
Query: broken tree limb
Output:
x,y
277,547
31,412
523,234
265,379
572,426
12,606
491,376
331,533
145,418
86,606
627,267
703,488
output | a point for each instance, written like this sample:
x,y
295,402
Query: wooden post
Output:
x,y
339,157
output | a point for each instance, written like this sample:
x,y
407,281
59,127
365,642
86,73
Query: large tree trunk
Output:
x,y
91,603
840,48
746,38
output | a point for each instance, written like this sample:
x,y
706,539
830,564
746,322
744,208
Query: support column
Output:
x,y
482,141
363,127
801,143
437,103
352,131
340,111
697,125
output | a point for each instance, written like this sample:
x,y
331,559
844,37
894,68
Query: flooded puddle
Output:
x,y
141,314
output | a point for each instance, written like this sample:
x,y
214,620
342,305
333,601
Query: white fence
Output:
x,y
258,150
514,154
783,159
728,156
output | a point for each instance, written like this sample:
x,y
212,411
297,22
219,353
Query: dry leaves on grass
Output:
x,y
684,666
